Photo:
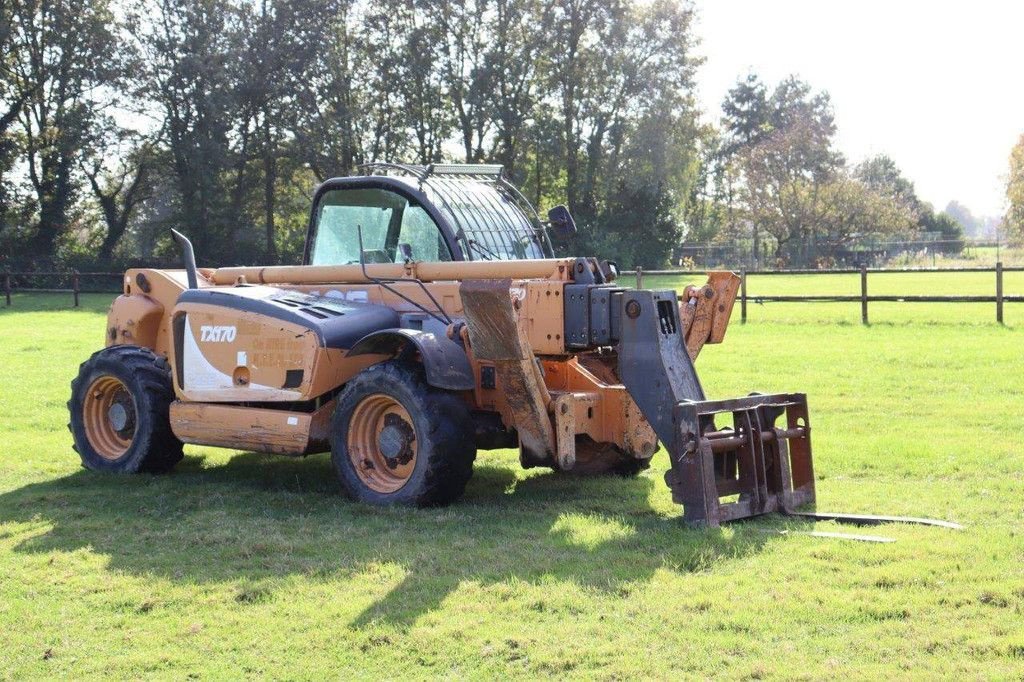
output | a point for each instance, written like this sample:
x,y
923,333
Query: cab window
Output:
x,y
391,226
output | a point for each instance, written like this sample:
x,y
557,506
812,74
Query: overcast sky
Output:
x,y
938,86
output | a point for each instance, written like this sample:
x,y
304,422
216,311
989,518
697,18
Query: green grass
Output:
x,y
242,565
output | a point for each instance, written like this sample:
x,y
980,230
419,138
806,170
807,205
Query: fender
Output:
x,y
444,361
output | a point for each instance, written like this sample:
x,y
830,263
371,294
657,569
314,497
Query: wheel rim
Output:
x,y
109,414
382,443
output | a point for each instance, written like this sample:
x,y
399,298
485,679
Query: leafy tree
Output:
x,y
963,215
638,225
280,41
118,170
332,114
1015,193
512,65
882,175
61,55
780,146
851,209
745,114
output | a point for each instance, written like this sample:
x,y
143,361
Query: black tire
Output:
x,y
442,431
141,383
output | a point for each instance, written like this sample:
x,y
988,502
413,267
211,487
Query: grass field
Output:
x,y
242,565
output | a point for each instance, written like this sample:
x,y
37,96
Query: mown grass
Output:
x,y
242,565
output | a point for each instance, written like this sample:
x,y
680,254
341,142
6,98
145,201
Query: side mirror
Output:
x,y
561,222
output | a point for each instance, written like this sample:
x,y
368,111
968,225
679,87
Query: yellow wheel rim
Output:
x,y
109,414
382,443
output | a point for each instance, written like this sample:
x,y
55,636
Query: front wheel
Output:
x,y
397,440
120,412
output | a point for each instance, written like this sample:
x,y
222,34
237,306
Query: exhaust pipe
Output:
x,y
188,255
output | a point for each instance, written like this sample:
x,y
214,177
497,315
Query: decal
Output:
x,y
354,295
217,333
209,382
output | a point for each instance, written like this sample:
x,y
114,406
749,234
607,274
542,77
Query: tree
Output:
x,y
963,215
781,145
118,171
190,56
280,41
462,34
746,114
512,67
332,116
851,209
783,175
881,174
950,232
62,54
1015,193
618,68
14,94
410,78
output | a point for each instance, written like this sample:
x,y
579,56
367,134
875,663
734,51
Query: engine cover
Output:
x,y
258,343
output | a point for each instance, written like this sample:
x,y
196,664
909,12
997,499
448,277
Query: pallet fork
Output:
x,y
763,462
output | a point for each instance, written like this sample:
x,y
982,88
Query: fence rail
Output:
x,y
864,298
76,283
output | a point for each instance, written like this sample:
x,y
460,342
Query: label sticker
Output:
x,y
217,333
242,359
293,421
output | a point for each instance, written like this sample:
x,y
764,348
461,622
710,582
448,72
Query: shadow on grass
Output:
x,y
257,519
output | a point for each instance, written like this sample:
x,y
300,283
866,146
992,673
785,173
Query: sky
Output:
x,y
938,86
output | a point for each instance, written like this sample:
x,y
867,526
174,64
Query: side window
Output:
x,y
337,237
343,214
384,218
421,234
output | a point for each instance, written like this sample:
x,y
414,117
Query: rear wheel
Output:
x,y
397,440
119,410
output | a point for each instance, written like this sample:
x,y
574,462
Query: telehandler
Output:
x,y
430,319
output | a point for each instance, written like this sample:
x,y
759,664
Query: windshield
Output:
x,y
495,228
392,229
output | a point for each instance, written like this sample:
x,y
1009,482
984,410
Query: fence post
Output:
x,y
743,296
74,286
863,293
639,277
999,292
7,287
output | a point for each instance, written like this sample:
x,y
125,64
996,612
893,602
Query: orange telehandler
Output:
x,y
430,319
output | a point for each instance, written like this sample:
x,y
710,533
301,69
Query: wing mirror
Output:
x,y
561,222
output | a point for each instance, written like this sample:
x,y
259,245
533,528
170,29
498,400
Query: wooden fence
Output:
x,y
999,298
76,278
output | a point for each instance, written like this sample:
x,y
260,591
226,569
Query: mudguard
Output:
x,y
444,361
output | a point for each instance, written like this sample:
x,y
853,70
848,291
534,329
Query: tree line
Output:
x,y
120,120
